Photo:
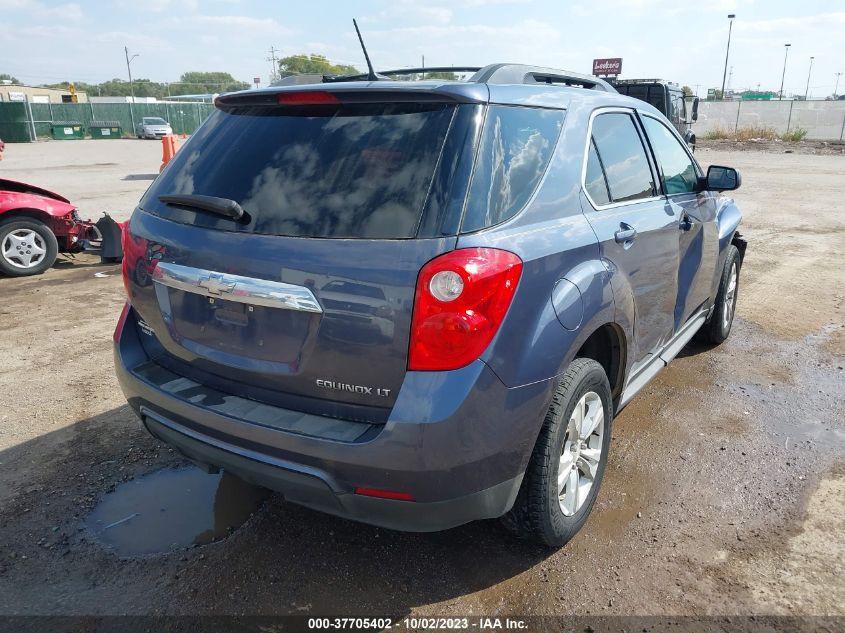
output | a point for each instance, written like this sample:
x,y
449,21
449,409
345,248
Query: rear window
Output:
x,y
353,171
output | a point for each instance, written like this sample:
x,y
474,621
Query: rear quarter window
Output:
x,y
516,146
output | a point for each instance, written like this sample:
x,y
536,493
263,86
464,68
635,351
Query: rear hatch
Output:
x,y
306,300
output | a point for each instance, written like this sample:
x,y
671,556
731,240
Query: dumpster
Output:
x,y
67,130
105,129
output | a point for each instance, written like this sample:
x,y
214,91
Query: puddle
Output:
x,y
173,509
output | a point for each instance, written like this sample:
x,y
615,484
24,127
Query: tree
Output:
x,y
313,64
687,91
441,75
189,83
5,77
199,82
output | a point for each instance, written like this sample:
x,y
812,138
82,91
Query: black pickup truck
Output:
x,y
666,97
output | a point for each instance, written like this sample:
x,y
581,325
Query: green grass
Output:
x,y
755,132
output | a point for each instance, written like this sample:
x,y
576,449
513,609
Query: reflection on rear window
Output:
x,y
358,170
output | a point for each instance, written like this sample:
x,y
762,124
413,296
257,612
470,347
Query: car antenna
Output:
x,y
371,76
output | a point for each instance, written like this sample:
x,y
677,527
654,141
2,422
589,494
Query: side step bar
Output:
x,y
659,361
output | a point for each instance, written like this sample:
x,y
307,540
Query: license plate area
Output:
x,y
230,312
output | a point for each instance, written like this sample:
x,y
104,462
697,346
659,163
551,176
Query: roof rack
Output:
x,y
623,82
523,74
495,74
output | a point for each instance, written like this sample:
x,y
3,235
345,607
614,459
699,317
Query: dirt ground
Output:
x,y
724,495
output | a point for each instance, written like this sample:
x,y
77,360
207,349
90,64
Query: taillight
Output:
x,y
461,299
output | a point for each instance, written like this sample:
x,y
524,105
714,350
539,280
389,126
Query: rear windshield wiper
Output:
x,y
211,204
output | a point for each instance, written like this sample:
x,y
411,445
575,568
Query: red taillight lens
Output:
x,y
120,322
384,494
461,299
316,97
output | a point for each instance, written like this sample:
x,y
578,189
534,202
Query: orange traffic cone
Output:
x,y
169,146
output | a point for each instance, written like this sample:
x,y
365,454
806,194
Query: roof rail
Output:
x,y
491,74
523,74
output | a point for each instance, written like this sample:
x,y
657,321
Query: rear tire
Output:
x,y
718,328
27,247
564,475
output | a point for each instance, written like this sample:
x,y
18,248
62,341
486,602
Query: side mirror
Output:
x,y
690,109
722,179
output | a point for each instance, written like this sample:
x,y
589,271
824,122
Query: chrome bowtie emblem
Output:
x,y
215,285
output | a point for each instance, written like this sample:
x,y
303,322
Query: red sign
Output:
x,y
610,66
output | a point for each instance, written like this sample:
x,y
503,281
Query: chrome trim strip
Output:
x,y
257,292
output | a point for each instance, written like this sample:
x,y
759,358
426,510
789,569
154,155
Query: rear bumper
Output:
x,y
457,442
310,490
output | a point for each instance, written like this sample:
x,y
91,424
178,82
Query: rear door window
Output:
x,y
516,146
348,171
623,156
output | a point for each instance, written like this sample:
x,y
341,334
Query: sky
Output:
x,y
46,42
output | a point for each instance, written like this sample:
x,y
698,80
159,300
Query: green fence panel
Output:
x,y
183,117
14,123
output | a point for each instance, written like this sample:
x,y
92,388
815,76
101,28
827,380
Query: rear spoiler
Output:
x,y
346,93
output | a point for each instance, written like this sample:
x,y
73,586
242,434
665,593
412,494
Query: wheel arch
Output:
x,y
30,213
607,345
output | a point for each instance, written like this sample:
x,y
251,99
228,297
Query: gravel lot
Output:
x,y
725,492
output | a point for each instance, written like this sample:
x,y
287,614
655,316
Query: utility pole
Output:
x,y
131,88
697,86
837,85
786,54
730,79
809,72
731,17
274,73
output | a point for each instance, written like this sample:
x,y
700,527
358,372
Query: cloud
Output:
x,y
793,24
410,12
33,8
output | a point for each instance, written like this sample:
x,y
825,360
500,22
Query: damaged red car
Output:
x,y
35,226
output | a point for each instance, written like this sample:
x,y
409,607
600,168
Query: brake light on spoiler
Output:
x,y
312,97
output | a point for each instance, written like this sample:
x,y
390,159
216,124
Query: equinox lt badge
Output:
x,y
343,386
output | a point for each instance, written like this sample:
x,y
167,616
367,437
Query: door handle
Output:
x,y
625,234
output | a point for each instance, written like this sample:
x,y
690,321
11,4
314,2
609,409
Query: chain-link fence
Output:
x,y
24,122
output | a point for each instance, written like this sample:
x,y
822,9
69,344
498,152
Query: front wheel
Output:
x,y
566,468
27,247
718,328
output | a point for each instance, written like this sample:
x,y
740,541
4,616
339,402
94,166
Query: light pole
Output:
x,y
731,17
783,76
837,85
809,72
131,89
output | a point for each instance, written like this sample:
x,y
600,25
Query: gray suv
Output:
x,y
418,304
